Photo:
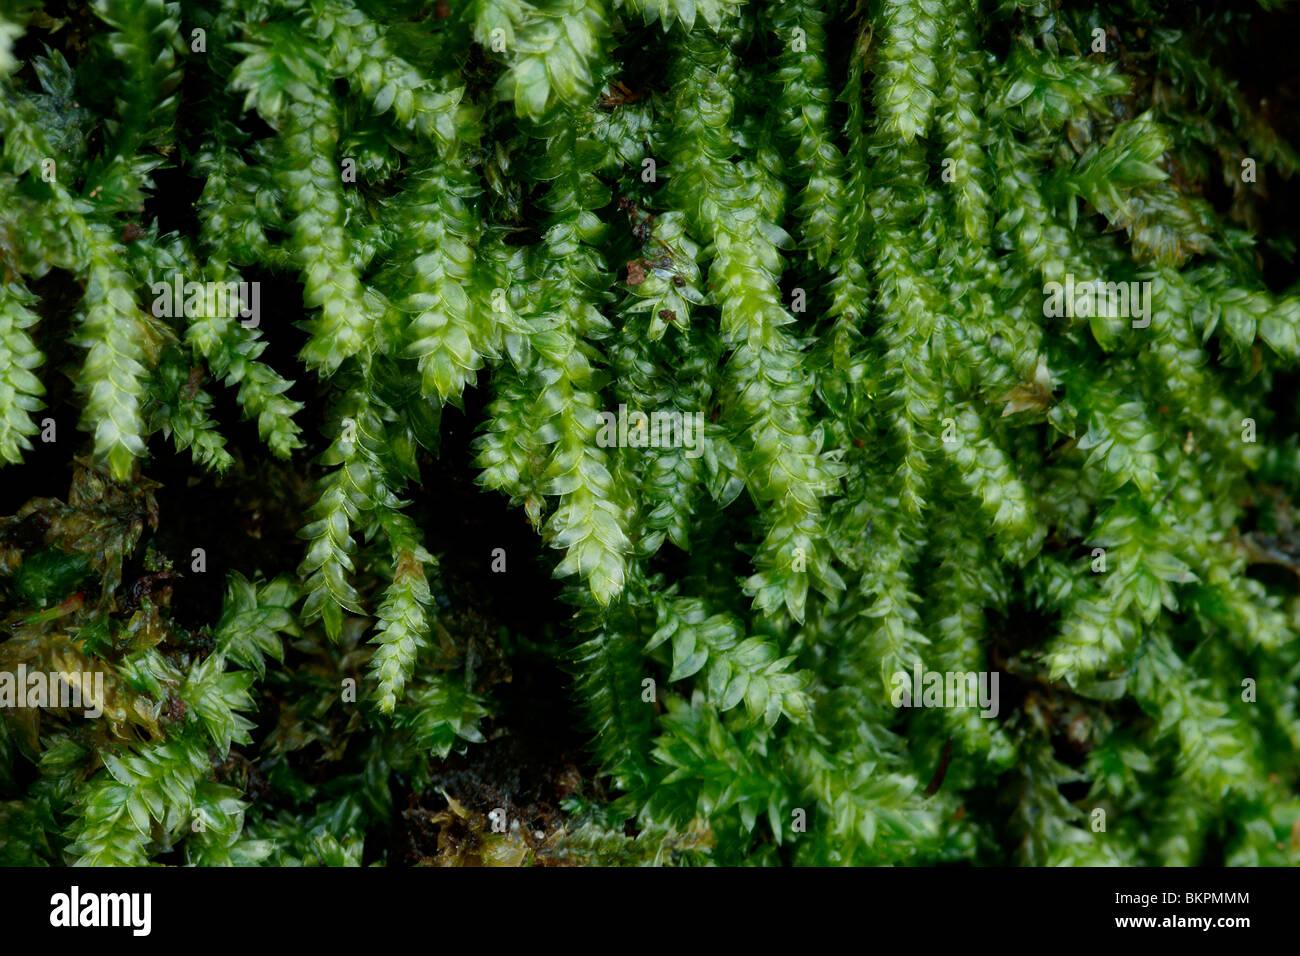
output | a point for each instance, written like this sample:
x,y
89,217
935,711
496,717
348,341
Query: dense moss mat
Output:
x,y
613,431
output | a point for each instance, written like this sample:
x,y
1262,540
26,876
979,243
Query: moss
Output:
x,y
557,433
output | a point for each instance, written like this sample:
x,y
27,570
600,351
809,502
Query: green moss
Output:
x,y
755,311
47,577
